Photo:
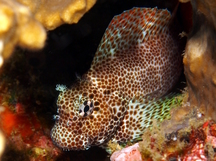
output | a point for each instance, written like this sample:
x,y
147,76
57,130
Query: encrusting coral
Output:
x,y
55,13
199,59
18,27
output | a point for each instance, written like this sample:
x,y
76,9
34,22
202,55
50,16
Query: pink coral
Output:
x,y
130,153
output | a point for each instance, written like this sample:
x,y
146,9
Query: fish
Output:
x,y
138,62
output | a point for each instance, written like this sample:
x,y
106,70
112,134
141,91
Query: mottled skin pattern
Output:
x,y
137,62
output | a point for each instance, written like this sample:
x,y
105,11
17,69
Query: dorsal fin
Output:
x,y
132,27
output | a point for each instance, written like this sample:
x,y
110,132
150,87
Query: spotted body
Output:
x,y
137,62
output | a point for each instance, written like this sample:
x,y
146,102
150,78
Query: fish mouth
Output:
x,y
66,140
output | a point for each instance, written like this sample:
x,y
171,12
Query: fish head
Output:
x,y
87,116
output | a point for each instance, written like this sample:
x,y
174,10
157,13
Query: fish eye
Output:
x,y
91,105
86,108
85,103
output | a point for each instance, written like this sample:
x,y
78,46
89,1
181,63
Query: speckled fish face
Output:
x,y
85,121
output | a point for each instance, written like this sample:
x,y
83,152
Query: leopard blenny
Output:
x,y
137,62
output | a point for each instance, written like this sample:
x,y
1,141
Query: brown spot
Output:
x,y
123,103
111,127
114,110
72,144
91,96
135,112
123,109
96,103
87,123
79,124
73,124
63,106
119,114
96,109
79,131
101,134
107,92
85,94
116,118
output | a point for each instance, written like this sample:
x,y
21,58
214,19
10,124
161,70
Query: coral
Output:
x,y
199,58
203,143
18,27
54,13
112,147
198,143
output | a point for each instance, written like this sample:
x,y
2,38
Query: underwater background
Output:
x,y
28,80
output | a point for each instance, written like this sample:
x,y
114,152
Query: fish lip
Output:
x,y
85,146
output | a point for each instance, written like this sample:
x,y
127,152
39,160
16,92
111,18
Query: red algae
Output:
x,y
25,124
8,120
25,132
